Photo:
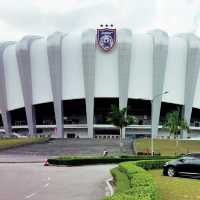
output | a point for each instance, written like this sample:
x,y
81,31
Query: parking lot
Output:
x,y
34,181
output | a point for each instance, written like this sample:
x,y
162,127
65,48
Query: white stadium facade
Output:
x,y
65,84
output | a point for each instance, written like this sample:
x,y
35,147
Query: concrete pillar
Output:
x,y
160,53
89,58
124,59
3,93
192,71
24,65
54,50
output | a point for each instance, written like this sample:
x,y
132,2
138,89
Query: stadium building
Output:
x,y
65,84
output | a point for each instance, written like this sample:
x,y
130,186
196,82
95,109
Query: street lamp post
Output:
x,y
152,101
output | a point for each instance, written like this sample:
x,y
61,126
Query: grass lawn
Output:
x,y
176,188
9,143
168,147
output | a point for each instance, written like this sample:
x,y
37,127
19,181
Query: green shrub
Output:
x,y
74,161
151,164
121,180
141,179
140,184
128,197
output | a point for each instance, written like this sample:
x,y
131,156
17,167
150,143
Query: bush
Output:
x,y
75,161
141,185
147,153
151,164
121,180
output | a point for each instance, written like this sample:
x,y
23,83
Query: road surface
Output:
x,y
33,181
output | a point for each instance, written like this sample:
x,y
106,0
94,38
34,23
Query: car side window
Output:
x,y
197,161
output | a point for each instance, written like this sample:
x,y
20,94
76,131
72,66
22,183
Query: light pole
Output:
x,y
152,101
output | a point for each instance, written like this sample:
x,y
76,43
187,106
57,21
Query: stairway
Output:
x,y
73,147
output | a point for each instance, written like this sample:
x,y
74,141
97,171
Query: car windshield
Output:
x,y
187,158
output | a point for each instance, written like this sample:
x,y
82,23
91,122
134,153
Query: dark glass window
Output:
x,y
18,117
74,111
45,114
102,108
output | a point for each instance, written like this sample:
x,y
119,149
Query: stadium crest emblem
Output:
x,y
106,38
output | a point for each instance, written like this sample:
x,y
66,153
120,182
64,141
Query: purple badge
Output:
x,y
106,38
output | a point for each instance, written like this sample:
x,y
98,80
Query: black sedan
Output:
x,y
187,166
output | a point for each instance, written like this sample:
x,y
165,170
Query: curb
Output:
x,y
109,186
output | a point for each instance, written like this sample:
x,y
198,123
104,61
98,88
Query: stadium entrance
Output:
x,y
106,133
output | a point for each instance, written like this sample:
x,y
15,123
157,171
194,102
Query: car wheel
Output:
x,y
171,172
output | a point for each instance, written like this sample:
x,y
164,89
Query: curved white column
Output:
x,y
124,59
54,46
160,53
3,93
24,65
88,59
192,71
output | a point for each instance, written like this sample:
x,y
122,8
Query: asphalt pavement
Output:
x,y
21,181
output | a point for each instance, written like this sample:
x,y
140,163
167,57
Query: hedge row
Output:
x,y
139,183
151,164
77,161
121,180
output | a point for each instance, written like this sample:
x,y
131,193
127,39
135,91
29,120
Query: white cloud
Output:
x,y
177,16
18,18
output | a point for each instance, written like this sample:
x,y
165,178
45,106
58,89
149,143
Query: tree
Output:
x,y
119,118
175,124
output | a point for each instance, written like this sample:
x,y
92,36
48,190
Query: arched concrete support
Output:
x,y
124,59
88,57
160,53
192,71
24,65
54,48
3,93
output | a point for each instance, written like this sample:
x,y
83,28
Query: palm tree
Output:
x,y
175,124
119,118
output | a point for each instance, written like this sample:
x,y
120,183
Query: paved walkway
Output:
x,y
35,182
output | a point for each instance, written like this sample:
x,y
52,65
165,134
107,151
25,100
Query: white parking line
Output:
x,y
33,194
29,196
46,185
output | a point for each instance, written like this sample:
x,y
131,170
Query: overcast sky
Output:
x,y
43,17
